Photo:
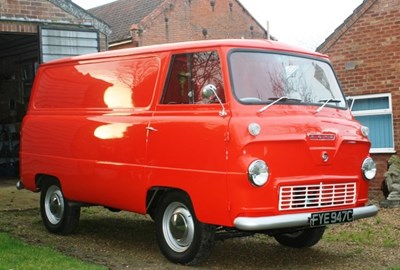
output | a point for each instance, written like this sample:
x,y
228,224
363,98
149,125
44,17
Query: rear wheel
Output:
x,y
57,215
301,239
180,236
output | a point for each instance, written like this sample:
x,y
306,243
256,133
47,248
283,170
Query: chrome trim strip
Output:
x,y
292,220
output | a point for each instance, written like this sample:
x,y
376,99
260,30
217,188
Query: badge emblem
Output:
x,y
325,156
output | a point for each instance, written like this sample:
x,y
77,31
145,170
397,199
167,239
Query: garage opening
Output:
x,y
19,58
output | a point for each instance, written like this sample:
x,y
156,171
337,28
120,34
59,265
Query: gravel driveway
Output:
x,y
127,241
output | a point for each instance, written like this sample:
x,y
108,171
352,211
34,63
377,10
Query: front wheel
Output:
x,y
57,215
180,236
301,239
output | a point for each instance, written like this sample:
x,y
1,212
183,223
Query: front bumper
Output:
x,y
292,220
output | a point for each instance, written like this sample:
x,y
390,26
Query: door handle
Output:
x,y
151,128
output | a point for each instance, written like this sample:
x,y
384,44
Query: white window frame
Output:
x,y
375,112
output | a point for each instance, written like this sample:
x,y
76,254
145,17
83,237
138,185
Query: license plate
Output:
x,y
325,218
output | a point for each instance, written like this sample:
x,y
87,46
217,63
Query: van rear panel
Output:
x,y
86,119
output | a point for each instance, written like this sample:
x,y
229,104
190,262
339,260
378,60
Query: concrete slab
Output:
x,y
390,203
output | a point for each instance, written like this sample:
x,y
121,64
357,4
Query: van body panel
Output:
x,y
84,151
81,136
293,155
188,151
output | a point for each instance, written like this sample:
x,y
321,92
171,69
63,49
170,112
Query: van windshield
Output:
x,y
262,78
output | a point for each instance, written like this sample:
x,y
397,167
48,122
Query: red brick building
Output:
x,y
365,51
32,32
145,22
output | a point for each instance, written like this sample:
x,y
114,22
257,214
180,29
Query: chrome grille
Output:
x,y
316,196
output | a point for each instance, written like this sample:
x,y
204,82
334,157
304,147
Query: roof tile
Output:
x,y
121,14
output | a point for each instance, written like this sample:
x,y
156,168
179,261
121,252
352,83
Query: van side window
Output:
x,y
188,75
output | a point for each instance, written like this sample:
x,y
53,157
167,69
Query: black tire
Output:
x,y
301,239
57,215
180,236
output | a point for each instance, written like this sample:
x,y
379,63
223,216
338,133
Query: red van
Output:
x,y
212,139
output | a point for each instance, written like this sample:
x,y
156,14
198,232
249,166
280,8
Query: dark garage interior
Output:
x,y
19,58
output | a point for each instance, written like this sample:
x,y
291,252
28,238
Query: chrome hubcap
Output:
x,y
178,227
54,205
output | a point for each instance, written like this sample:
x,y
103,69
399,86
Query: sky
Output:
x,y
305,23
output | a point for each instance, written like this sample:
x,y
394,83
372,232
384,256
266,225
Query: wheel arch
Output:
x,y
156,193
41,179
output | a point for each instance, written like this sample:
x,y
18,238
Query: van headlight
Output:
x,y
258,173
368,169
365,131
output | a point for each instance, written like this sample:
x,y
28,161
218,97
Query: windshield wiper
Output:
x,y
276,100
326,101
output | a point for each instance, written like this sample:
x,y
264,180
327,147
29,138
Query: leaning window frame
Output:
x,y
388,110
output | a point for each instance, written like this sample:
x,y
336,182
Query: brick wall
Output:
x,y
24,16
34,10
371,42
103,42
18,27
197,20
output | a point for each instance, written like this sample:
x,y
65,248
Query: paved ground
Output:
x,y
13,199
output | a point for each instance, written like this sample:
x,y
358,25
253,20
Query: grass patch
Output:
x,y
363,234
15,254
370,232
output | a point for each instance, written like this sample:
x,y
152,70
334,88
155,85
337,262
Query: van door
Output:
x,y
187,140
108,134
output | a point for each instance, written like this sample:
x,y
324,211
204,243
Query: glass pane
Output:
x,y
381,130
67,51
206,69
371,104
264,76
176,91
56,43
70,34
66,41
188,75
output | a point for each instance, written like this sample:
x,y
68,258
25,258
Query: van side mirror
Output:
x,y
210,90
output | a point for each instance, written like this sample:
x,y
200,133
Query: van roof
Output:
x,y
235,43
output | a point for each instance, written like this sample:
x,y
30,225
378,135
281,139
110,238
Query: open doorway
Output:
x,y
19,59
